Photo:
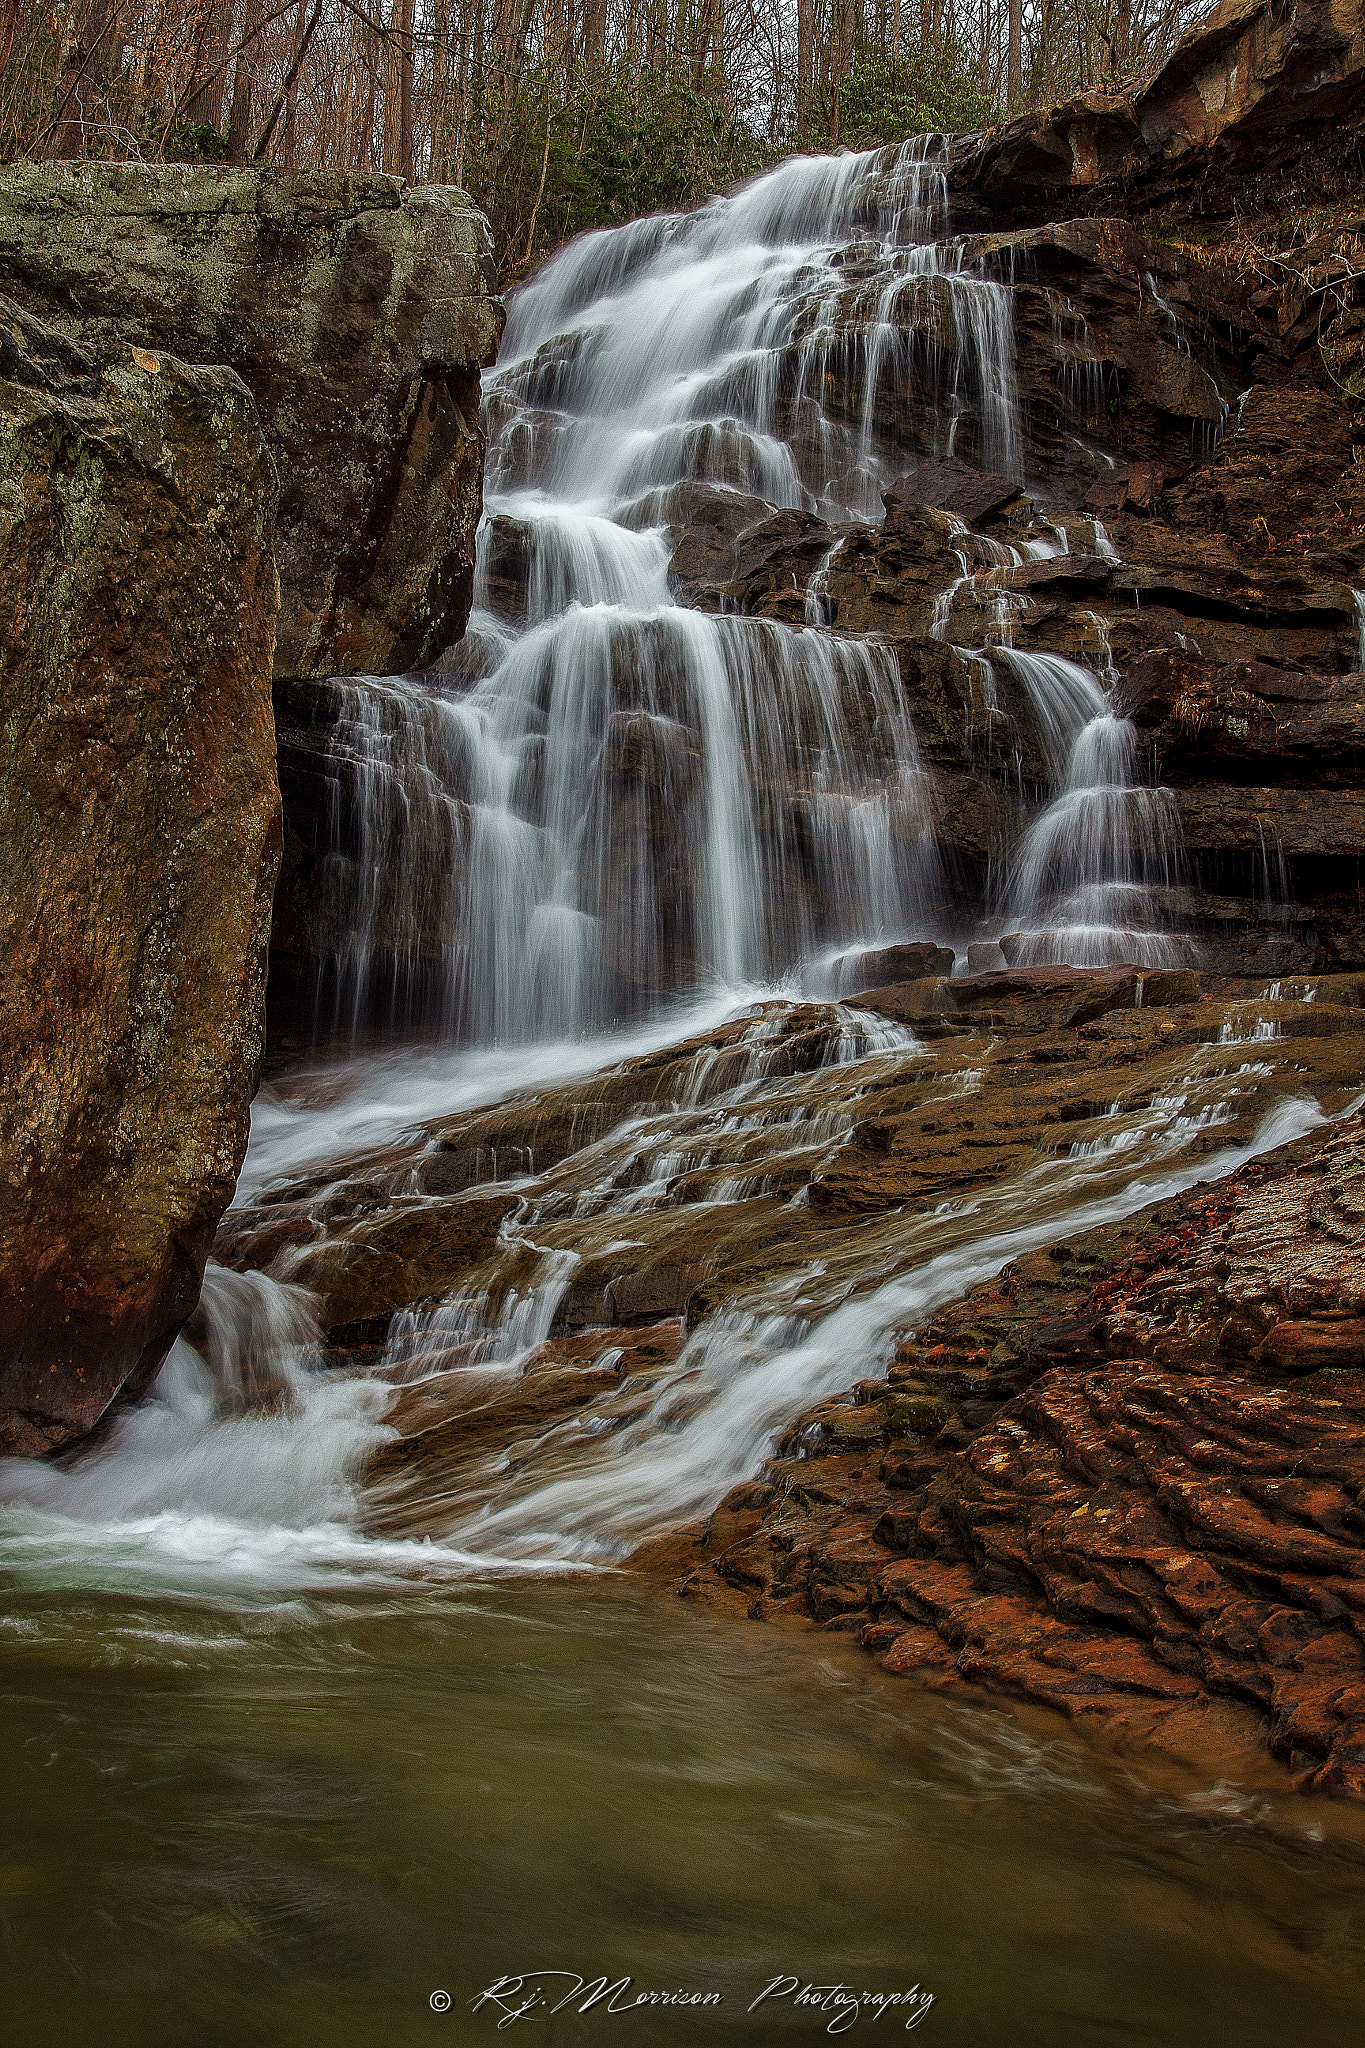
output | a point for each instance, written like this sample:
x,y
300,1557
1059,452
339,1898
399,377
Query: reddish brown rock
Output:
x,y
1199,128
1148,1486
140,838
953,486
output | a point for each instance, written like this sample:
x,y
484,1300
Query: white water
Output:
x,y
616,801
612,802
742,1375
1079,887
378,1100
626,821
188,1490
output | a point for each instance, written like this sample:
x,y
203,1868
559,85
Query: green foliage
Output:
x,y
620,143
617,142
195,142
652,143
885,100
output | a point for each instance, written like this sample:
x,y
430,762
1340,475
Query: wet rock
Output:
x,y
507,566
1316,824
357,310
446,1422
141,834
1134,487
884,964
706,523
375,1265
1284,473
1151,1487
952,486
1247,721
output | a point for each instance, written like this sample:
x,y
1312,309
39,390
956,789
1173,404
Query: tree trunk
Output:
x,y
594,31
78,71
239,115
284,97
440,92
9,21
398,93
1014,83
1123,36
707,58
805,60
847,23
205,105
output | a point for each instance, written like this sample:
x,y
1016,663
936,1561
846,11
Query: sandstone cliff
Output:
x,y
357,310
139,838
1259,98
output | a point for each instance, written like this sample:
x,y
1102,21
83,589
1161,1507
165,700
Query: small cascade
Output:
x,y
240,1463
390,870
749,1117
468,1333
1175,326
1080,885
1085,377
670,1453
817,598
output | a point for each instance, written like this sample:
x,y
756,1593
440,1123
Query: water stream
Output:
x,y
612,802
331,1747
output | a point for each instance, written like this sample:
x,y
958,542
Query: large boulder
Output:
x,y
139,838
358,311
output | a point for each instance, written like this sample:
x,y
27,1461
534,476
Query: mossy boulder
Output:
x,y
357,309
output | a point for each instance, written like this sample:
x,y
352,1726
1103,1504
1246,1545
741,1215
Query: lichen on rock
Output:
x,y
140,836
356,309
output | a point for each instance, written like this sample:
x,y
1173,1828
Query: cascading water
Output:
x,y
622,799
1079,888
671,1450
607,802
281,1685
711,347
241,1464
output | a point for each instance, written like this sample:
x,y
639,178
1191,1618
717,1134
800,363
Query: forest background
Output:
x,y
556,115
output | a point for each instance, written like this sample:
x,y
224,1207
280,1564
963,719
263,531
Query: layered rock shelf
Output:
x,y
1124,1479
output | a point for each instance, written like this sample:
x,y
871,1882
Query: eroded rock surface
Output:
x,y
358,311
503,1267
1197,131
1123,1478
140,834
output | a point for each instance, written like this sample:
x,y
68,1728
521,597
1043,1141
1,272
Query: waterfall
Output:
x,y
240,1466
710,346
1080,885
608,800
609,822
